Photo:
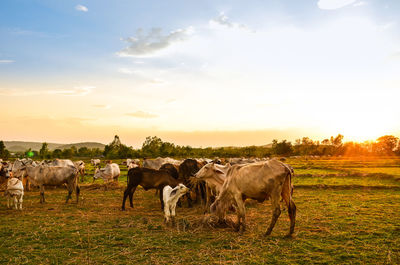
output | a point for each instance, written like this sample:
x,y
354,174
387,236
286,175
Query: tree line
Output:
x,y
152,147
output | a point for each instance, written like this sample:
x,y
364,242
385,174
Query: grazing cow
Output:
x,y
158,162
52,176
18,165
95,162
80,165
149,179
110,173
259,181
241,160
14,193
172,169
170,198
214,175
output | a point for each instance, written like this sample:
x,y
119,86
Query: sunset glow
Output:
x,y
199,73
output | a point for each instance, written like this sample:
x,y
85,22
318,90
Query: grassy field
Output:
x,y
359,224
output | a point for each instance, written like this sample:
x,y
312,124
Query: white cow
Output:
x,y
132,163
14,193
95,162
61,163
109,173
80,165
159,161
170,198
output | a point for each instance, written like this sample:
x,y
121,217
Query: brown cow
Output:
x,y
149,179
172,169
259,181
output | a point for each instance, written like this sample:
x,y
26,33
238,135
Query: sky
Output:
x,y
199,73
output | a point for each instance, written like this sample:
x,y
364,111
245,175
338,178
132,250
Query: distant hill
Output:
x,y
19,146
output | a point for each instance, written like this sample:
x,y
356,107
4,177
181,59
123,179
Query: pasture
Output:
x,y
348,212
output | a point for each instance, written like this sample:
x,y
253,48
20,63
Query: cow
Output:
x,y
172,169
259,181
80,165
149,179
61,163
241,160
132,165
130,161
170,198
158,162
20,163
14,193
51,176
214,175
95,162
110,173
187,169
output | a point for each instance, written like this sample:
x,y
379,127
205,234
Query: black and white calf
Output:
x,y
171,197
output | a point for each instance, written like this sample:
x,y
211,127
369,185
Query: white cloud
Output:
x,y
128,71
76,91
81,8
361,3
102,106
152,42
223,20
142,115
334,4
395,56
6,61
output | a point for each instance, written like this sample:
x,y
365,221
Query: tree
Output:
x,y
386,145
57,153
152,146
44,151
337,141
4,153
282,148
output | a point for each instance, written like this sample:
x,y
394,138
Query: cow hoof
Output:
x,y
267,233
289,236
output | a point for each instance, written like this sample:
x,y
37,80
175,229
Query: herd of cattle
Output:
x,y
221,186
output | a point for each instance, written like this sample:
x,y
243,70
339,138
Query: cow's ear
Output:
x,y
173,192
218,171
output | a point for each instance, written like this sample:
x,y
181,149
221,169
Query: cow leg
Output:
x,y
116,179
167,214
8,201
77,191
15,202
203,193
286,195
208,199
20,201
189,199
131,196
27,185
241,213
42,200
161,199
129,191
276,212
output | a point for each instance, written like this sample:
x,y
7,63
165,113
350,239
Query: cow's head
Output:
x,y
97,173
208,171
